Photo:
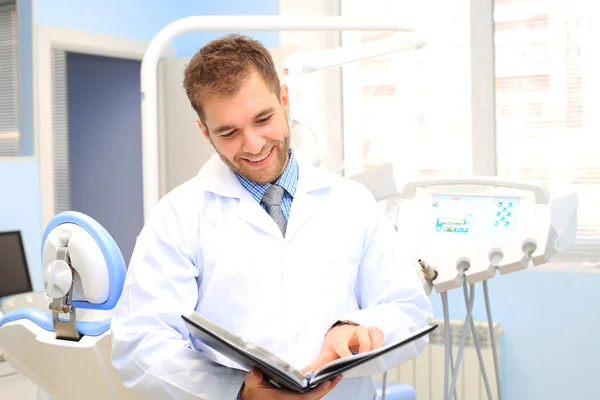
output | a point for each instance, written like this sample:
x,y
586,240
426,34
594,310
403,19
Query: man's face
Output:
x,y
249,130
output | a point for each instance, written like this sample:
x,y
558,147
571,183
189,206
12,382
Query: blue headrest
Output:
x,y
111,252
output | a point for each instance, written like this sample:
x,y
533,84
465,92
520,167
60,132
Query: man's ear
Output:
x,y
203,128
284,98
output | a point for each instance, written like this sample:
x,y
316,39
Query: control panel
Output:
x,y
473,215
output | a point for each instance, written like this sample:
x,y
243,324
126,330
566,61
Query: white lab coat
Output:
x,y
209,246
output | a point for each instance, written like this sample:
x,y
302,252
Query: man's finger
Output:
x,y
321,360
376,337
322,389
341,348
311,367
254,377
364,341
319,391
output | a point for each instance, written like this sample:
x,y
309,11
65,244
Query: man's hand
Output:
x,y
257,388
344,340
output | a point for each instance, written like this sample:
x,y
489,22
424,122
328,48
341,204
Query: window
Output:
x,y
412,112
541,132
415,108
9,95
521,84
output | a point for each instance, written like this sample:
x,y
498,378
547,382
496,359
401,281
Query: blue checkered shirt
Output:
x,y
288,180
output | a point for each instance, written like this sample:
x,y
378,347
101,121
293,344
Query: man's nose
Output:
x,y
253,142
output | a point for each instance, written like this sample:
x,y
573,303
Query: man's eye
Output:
x,y
264,120
226,135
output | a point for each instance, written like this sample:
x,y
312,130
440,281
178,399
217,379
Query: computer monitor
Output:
x,y
14,273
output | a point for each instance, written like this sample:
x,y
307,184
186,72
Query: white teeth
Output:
x,y
260,159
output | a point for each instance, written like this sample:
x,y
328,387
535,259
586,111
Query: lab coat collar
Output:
x,y
219,179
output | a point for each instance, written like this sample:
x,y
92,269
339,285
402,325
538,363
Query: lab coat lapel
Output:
x,y
222,181
250,211
305,206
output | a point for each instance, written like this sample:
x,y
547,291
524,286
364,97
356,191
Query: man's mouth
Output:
x,y
256,160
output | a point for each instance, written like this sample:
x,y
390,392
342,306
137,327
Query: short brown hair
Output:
x,y
220,67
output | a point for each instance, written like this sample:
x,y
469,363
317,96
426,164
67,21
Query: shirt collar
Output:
x,y
288,180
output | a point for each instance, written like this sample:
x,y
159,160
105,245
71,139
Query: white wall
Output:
x,y
321,91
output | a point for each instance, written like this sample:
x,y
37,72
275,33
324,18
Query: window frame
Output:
x,y
483,111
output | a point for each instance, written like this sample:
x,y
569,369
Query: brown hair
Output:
x,y
220,67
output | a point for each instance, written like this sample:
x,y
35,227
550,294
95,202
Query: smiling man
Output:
x,y
254,142
298,260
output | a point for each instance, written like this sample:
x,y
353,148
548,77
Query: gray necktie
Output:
x,y
272,201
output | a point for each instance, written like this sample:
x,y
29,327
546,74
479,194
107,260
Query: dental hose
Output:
x,y
478,349
492,337
449,365
463,337
430,274
449,356
383,385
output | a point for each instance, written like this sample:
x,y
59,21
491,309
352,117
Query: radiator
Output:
x,y
426,373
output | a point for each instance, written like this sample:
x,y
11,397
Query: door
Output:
x,y
104,143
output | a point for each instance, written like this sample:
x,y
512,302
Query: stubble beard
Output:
x,y
282,160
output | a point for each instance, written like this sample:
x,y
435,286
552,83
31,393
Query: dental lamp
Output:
x,y
463,230
149,85
302,63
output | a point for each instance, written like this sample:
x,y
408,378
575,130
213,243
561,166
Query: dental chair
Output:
x,y
65,352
